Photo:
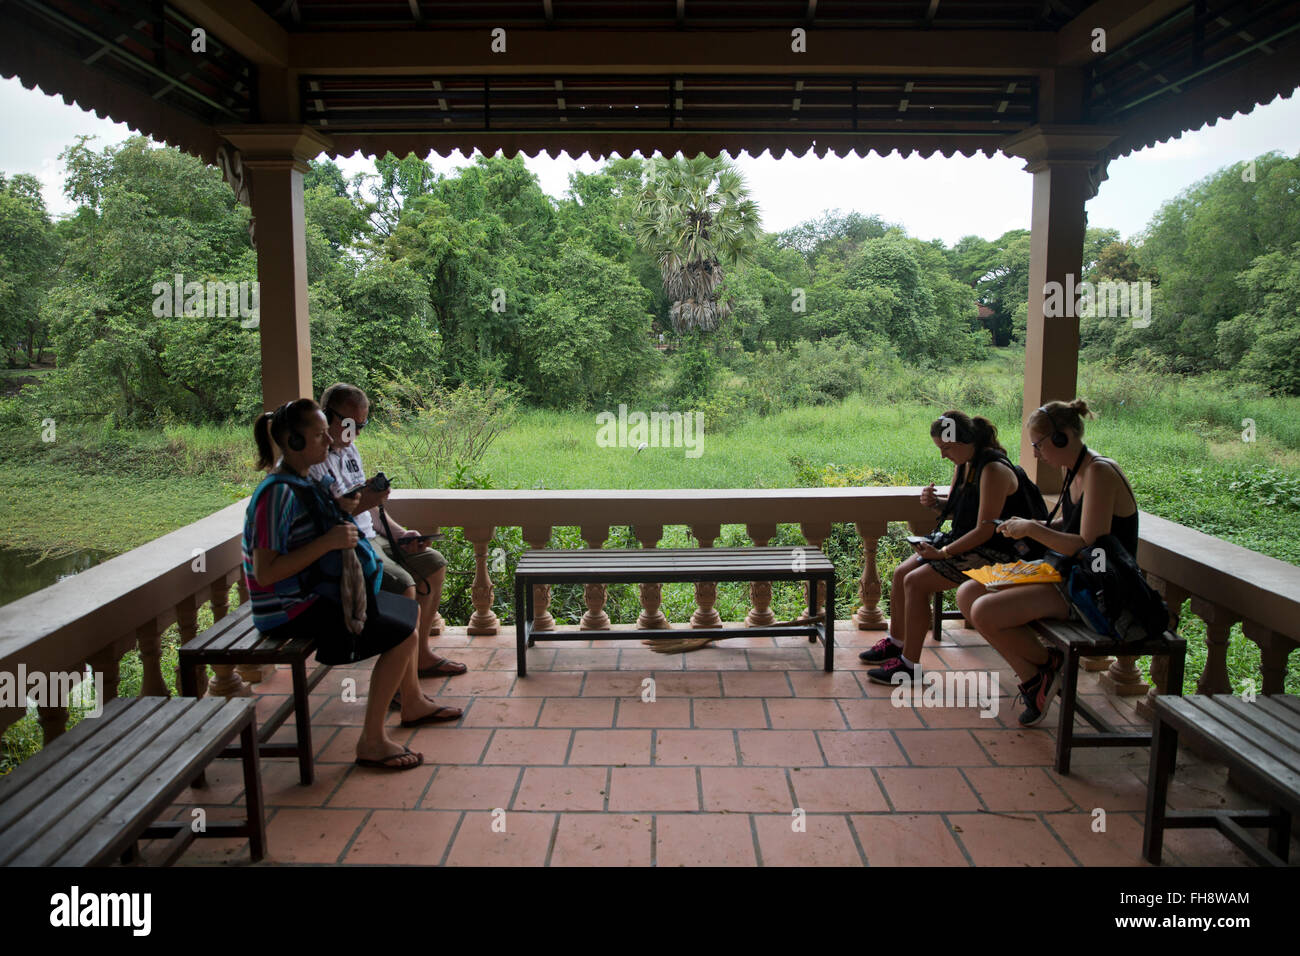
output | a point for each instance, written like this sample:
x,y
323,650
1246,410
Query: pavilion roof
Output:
x,y
917,76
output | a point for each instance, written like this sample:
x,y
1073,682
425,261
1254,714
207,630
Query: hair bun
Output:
x,y
1080,408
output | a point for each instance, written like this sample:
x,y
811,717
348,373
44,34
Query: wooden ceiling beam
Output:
x,y
1121,19
433,52
242,26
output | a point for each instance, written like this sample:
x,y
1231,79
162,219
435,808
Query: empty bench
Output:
x,y
670,565
91,794
1258,740
1077,641
234,640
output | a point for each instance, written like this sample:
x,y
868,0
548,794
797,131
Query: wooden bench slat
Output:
x,y
235,621
37,777
1255,724
59,823
1290,701
53,758
185,754
1276,706
1205,717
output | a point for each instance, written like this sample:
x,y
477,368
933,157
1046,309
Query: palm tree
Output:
x,y
694,216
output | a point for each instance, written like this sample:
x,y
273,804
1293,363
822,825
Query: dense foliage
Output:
x,y
479,277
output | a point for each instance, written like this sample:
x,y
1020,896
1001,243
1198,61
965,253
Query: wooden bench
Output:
x,y
667,565
234,640
1259,741
91,794
1077,641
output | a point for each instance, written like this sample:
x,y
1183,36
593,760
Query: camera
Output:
x,y
379,482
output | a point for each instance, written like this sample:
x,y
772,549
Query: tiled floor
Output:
x,y
747,754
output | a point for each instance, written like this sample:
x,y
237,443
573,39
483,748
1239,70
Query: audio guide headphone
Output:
x,y
1059,438
295,441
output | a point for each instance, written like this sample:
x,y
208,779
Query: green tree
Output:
x,y
696,219
30,259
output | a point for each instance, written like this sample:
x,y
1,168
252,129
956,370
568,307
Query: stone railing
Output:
x,y
97,616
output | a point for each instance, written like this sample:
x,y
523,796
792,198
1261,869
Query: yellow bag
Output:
x,y
994,576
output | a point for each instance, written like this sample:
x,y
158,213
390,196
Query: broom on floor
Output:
x,y
680,645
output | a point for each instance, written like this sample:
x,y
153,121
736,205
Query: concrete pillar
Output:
x,y
275,158
1062,160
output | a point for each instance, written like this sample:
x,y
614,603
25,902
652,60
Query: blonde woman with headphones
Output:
x,y
1096,499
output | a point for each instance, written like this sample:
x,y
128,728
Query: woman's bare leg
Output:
x,y
967,594
1001,615
920,585
898,599
390,669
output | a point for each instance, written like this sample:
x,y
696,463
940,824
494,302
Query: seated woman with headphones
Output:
x,y
986,487
310,573
1096,499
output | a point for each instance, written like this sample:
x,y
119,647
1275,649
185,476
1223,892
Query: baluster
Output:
x,y
1274,648
815,535
1123,679
1218,627
652,615
225,682
53,721
593,595
251,673
706,592
484,620
760,592
187,622
148,637
1174,596
538,539
868,616
106,665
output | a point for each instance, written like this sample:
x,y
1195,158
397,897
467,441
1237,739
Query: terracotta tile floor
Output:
x,y
747,755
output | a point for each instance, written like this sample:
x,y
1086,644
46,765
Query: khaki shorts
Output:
x,y
423,564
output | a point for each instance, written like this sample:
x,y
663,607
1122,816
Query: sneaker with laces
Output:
x,y
884,674
881,651
1031,696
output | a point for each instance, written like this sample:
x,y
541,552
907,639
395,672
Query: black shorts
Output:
x,y
335,644
952,568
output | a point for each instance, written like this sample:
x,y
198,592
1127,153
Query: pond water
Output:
x,y
22,572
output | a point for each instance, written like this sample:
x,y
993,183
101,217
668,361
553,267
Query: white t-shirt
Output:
x,y
344,466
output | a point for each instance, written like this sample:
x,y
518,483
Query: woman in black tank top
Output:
x,y
1096,499
986,487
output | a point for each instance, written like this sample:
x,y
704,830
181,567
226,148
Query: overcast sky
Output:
x,y
932,198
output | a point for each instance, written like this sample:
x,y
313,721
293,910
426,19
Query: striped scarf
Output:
x,y
352,592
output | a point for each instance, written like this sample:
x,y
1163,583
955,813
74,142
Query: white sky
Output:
x,y
932,198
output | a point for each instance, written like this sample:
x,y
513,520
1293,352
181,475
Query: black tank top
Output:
x,y
965,512
1125,529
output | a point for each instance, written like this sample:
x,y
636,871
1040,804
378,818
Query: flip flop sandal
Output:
x,y
433,717
387,762
440,669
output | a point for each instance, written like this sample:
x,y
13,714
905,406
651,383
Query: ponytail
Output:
x,y
262,435
271,429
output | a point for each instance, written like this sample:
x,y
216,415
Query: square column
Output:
x,y
276,158
1062,160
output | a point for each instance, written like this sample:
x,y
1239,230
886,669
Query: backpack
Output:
x,y
1111,594
323,575
1029,548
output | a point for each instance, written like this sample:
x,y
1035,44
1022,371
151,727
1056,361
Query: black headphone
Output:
x,y
1059,438
295,441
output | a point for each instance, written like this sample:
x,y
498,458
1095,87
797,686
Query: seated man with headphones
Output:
x,y
1096,499
418,571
